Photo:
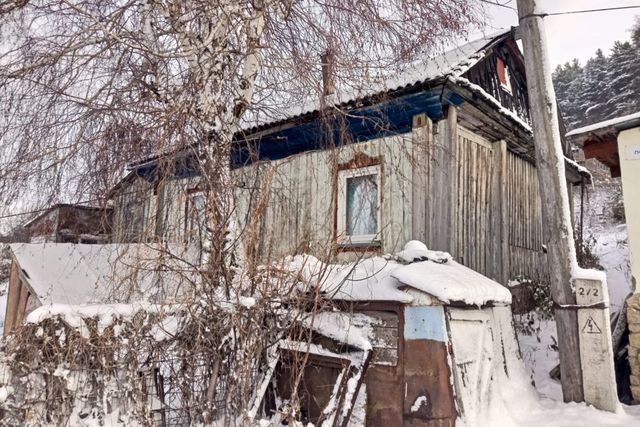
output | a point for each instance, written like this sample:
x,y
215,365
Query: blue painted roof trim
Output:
x,y
391,117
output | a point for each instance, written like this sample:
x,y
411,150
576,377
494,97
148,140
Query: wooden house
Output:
x,y
442,153
67,223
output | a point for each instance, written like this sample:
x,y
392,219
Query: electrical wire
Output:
x,y
573,12
569,12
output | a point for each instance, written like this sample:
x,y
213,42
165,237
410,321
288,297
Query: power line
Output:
x,y
496,3
573,12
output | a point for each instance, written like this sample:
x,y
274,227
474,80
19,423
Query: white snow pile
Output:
x,y
417,251
102,316
522,405
385,279
353,329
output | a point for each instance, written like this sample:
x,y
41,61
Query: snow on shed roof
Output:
x,y
618,123
66,273
452,282
383,279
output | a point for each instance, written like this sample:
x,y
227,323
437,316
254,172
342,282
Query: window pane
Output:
x,y
196,216
362,205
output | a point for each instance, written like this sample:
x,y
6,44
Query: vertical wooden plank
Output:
x,y
473,220
13,299
421,130
462,185
500,219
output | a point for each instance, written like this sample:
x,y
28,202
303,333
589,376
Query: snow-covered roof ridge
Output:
x,y
619,123
386,278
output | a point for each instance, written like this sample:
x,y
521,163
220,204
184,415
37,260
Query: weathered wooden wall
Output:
x,y
132,207
524,207
300,213
473,208
441,184
476,200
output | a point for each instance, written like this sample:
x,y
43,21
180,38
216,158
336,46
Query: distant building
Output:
x,y
616,143
66,223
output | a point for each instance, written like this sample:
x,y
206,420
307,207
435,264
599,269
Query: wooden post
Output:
x,y
555,199
13,299
442,184
499,249
421,134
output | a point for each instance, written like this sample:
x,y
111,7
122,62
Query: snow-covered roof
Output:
x,y
453,63
450,65
618,123
66,273
386,279
452,282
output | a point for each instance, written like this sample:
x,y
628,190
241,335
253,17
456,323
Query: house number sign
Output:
x,y
633,152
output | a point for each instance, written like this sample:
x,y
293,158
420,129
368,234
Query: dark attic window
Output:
x,y
503,74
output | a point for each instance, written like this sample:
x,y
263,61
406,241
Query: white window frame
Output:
x,y
342,237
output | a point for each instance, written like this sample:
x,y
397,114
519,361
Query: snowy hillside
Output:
x,y
604,231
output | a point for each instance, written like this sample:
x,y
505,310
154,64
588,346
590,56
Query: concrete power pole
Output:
x,y
555,198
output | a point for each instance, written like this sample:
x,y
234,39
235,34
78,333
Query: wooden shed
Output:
x,y
53,274
419,340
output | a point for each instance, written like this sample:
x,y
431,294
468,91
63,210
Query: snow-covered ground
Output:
x,y
547,408
613,251
604,231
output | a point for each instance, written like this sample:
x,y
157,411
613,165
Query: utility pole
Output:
x,y
555,198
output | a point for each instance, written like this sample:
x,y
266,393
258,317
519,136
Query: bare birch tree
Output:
x,y
87,86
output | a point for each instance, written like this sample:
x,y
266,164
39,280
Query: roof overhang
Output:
x,y
600,140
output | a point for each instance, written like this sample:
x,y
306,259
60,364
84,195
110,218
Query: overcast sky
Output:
x,y
576,35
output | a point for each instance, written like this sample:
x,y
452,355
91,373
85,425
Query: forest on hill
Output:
x,y
606,86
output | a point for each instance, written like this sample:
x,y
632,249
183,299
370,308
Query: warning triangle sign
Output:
x,y
591,327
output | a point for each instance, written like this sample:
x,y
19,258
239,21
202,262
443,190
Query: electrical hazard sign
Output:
x,y
591,327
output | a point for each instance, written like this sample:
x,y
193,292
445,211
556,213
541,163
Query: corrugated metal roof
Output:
x,y
453,62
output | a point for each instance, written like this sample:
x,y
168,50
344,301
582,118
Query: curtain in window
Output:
x,y
362,205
